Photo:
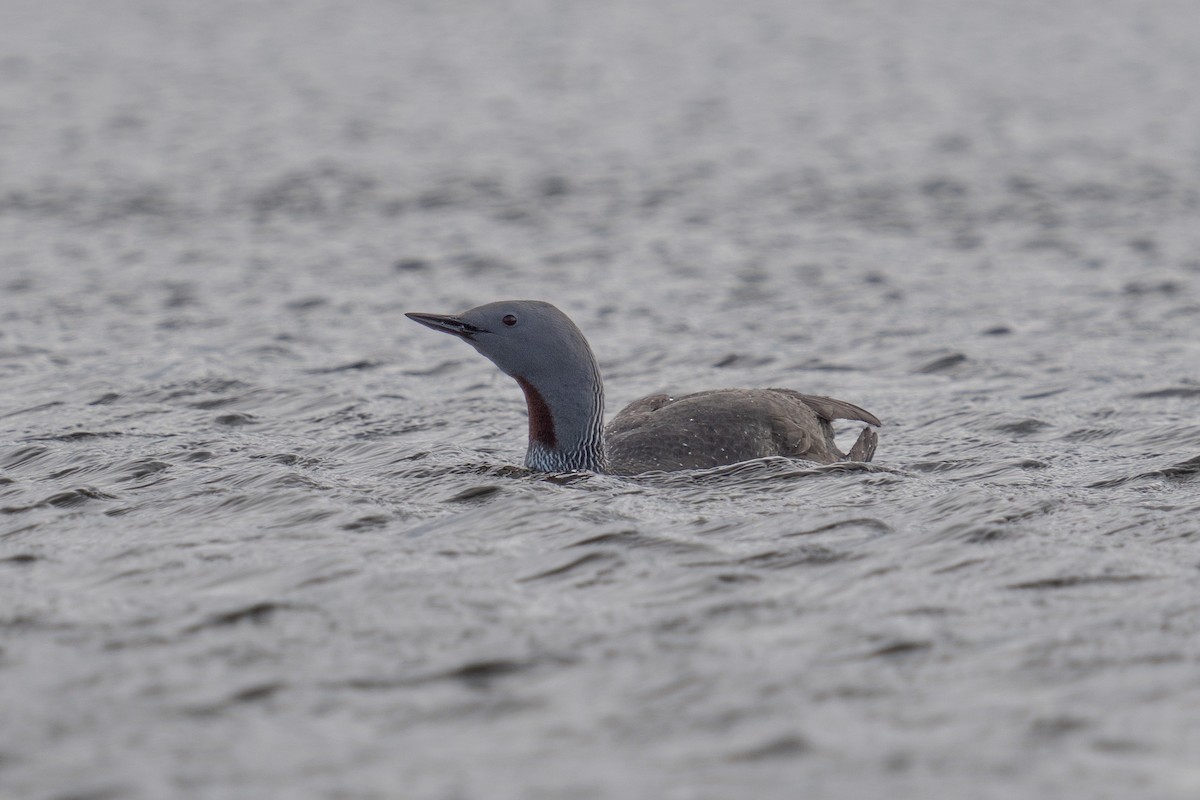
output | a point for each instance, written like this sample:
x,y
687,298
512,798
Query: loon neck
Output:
x,y
566,424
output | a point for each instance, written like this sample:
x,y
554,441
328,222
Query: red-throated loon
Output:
x,y
545,352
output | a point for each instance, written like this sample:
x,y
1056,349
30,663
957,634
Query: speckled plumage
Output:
x,y
550,359
725,426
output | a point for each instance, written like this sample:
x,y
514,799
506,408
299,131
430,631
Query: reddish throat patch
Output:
x,y
541,423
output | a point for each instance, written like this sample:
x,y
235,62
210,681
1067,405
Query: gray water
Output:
x,y
261,536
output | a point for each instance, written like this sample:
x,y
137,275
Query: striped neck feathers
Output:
x,y
566,424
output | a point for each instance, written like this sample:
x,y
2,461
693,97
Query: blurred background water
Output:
x,y
260,536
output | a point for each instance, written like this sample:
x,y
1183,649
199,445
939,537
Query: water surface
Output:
x,y
262,536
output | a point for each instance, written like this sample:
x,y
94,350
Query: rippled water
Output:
x,y
260,536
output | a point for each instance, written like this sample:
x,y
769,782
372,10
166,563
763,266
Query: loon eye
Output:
x,y
509,320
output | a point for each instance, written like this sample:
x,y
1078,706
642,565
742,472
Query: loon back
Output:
x,y
725,426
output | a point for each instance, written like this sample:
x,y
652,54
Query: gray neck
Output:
x,y
566,420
